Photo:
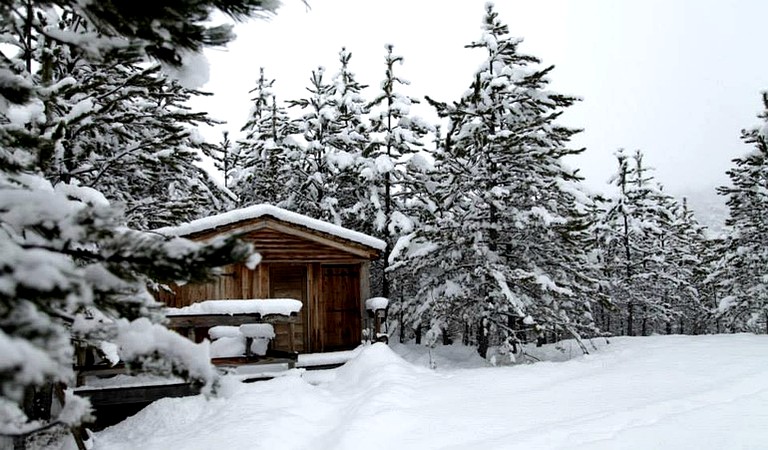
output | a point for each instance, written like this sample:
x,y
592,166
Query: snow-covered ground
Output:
x,y
663,392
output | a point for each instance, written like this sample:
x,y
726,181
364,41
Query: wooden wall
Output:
x,y
235,282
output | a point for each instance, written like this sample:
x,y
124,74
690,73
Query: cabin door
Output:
x,y
290,281
341,311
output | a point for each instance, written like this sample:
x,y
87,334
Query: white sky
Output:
x,y
678,79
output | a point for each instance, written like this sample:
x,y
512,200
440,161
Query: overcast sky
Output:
x,y
678,79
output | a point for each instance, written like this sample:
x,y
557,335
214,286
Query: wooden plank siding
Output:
x,y
290,281
340,311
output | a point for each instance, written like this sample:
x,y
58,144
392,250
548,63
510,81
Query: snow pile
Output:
x,y
257,211
282,306
228,346
230,341
258,330
222,331
693,392
226,341
143,340
375,366
322,359
372,304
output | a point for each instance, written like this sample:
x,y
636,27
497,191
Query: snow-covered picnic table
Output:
x,y
197,319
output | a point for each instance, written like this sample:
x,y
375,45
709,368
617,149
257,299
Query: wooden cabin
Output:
x,y
325,266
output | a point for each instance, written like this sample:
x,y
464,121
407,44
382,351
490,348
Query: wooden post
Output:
x,y
376,325
80,356
365,281
263,284
248,343
291,344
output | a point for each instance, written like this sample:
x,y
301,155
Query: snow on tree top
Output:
x,y
283,306
263,210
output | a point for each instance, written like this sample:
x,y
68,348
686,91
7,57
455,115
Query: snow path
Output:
x,y
703,392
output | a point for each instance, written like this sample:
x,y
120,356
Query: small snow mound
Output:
x,y
373,366
258,330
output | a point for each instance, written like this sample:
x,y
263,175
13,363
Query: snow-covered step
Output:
x,y
328,359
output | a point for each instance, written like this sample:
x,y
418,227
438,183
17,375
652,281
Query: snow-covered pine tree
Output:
x,y
745,285
503,248
262,176
309,173
690,271
395,137
605,308
347,146
123,128
716,283
644,252
325,171
226,157
69,268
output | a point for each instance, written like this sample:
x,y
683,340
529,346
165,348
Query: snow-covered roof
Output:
x,y
258,211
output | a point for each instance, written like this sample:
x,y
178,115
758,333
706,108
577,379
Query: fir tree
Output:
x,y
262,177
307,165
691,270
395,137
325,171
226,157
504,241
69,268
122,128
348,142
745,282
650,247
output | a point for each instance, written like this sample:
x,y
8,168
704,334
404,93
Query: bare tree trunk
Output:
x,y
446,336
482,340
